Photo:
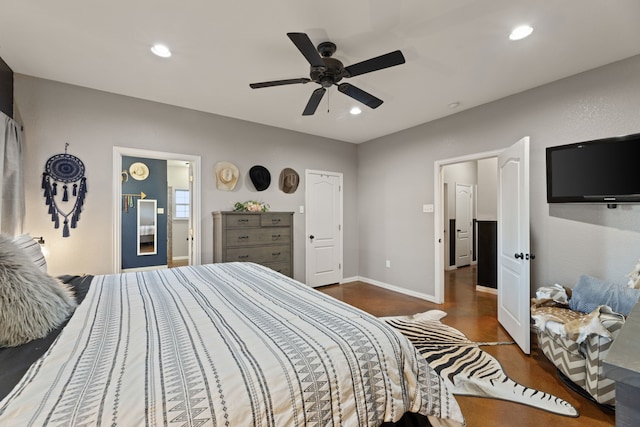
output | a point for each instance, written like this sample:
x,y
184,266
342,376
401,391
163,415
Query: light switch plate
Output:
x,y
427,208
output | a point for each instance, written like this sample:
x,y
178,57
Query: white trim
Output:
x,y
430,298
149,268
349,280
180,258
118,152
487,289
438,226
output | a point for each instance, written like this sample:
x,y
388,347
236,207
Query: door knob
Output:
x,y
312,237
520,255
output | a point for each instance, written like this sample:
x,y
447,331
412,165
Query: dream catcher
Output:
x,y
67,170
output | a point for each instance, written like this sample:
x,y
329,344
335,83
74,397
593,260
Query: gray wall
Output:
x,y
395,175
92,122
487,197
386,181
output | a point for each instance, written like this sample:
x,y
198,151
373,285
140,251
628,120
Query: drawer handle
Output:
x,y
275,236
243,237
275,220
276,253
243,220
243,256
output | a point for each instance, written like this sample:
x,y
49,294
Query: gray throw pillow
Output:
x,y
591,292
32,303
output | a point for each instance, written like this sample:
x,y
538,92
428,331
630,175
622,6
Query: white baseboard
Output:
x,y
400,290
150,268
349,279
486,289
180,258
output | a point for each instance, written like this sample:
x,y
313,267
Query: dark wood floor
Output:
x,y
474,313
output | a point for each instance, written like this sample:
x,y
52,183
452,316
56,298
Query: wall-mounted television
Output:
x,y
599,171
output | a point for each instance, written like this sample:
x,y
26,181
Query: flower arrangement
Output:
x,y
250,206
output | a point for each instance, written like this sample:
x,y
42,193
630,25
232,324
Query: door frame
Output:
x,y
438,215
118,153
307,245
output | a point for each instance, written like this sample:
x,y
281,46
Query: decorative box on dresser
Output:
x,y
265,238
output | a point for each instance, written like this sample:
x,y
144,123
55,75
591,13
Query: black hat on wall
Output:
x,y
260,177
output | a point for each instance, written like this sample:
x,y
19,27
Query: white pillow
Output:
x,y
634,277
32,249
32,303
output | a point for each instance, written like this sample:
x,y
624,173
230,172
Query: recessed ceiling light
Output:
x,y
521,32
355,111
161,50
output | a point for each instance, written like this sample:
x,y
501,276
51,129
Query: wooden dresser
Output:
x,y
265,238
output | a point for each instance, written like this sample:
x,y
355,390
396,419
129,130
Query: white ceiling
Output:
x,y
455,50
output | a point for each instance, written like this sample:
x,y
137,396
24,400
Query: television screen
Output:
x,y
604,171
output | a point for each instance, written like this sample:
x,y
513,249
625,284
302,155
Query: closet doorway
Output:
x,y
184,222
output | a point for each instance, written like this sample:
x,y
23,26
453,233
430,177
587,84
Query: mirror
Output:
x,y
147,227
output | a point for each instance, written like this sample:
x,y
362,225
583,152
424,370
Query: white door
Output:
x,y
464,217
513,243
323,193
190,232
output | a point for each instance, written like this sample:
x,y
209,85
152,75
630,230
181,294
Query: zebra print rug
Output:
x,y
468,370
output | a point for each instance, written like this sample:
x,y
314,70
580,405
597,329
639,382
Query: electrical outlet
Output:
x,y
388,263
427,208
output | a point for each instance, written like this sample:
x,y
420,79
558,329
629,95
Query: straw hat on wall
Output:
x,y
139,171
226,176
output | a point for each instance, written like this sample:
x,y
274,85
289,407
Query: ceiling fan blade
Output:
x,y
360,95
314,101
304,45
374,64
279,83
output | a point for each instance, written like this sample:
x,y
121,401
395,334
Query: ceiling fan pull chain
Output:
x,y
328,101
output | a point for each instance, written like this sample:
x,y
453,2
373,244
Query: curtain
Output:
x,y
11,173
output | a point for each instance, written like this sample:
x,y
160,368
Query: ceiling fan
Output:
x,y
328,71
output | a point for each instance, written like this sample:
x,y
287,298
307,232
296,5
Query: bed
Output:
x,y
147,233
232,344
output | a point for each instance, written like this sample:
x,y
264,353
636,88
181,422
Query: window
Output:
x,y
181,198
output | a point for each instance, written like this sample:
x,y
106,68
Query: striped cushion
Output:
x,y
32,249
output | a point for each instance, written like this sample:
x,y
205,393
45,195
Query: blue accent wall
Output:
x,y
155,187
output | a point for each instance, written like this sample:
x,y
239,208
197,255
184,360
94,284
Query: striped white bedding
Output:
x,y
223,345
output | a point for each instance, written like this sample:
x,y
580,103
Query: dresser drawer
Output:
x,y
280,267
258,236
259,254
243,220
275,219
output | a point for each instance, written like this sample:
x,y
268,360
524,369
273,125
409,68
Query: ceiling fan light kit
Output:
x,y
328,71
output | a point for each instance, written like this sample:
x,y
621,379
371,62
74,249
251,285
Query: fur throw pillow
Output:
x,y
32,303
